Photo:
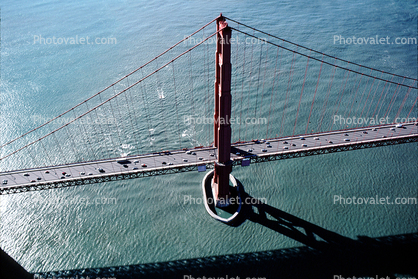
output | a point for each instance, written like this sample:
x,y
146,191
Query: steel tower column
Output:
x,y
222,115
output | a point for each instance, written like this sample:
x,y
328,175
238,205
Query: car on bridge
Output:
x,y
123,162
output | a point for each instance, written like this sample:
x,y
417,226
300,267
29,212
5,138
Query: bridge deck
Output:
x,y
180,161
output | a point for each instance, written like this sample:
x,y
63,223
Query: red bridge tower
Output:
x,y
222,115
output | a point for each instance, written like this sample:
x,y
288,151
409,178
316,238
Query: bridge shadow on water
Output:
x,y
325,254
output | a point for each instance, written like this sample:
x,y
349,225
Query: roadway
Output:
x,y
183,160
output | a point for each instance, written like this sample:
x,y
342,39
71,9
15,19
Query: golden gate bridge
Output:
x,y
311,103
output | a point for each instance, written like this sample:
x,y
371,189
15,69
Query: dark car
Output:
x,y
123,162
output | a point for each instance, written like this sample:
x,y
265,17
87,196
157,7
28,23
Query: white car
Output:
x,y
4,181
316,138
399,126
304,145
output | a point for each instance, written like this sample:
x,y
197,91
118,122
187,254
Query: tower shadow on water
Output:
x,y
324,254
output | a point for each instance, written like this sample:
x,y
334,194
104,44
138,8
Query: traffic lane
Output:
x,y
322,140
136,164
178,158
